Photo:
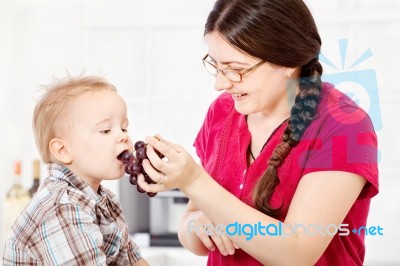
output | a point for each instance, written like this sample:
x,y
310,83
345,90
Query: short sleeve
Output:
x,y
345,141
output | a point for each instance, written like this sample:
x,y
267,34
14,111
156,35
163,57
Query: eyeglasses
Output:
x,y
230,73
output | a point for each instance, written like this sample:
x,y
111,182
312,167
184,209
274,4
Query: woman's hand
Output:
x,y
200,225
176,170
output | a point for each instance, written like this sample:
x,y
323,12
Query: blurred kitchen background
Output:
x,y
151,50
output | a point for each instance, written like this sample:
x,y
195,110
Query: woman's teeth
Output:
x,y
236,95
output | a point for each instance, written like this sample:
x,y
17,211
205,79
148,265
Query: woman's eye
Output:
x,y
105,131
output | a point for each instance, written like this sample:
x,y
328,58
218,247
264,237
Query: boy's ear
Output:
x,y
289,72
59,149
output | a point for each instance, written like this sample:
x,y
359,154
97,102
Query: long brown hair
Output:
x,y
281,32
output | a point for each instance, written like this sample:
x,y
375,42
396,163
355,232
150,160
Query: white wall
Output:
x,y
151,51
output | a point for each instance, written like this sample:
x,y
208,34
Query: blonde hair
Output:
x,y
49,116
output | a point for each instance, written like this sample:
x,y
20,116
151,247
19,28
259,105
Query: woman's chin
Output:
x,y
242,110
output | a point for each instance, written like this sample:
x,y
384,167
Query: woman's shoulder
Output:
x,y
341,138
339,106
334,99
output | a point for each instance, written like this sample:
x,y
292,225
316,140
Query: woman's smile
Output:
x,y
238,96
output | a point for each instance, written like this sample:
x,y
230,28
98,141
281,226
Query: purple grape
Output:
x,y
159,154
133,179
125,157
141,153
133,165
133,168
128,168
148,179
141,190
139,144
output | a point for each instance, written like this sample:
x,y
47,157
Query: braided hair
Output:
x,y
286,35
302,113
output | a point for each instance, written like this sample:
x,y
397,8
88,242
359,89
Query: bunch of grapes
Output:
x,y
133,165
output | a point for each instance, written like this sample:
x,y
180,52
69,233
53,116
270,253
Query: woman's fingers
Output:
x,y
207,242
158,187
226,244
220,244
215,241
156,161
167,148
176,147
206,231
177,165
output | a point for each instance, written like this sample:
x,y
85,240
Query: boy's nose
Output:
x,y
123,137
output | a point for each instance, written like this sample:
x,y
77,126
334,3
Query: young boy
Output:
x,y
80,127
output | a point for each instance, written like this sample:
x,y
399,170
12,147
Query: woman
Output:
x,y
280,148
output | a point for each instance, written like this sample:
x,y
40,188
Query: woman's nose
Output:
x,y
221,82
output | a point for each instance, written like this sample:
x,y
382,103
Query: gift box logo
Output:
x,y
360,85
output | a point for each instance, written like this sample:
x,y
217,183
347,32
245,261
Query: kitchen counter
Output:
x,y
166,256
171,256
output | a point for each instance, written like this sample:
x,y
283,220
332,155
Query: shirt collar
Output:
x,y
60,172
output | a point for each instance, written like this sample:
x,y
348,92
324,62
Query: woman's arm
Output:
x,y
321,198
189,240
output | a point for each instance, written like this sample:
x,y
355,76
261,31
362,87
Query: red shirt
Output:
x,y
342,138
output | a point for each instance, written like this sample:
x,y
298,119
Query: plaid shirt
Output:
x,y
68,223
